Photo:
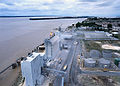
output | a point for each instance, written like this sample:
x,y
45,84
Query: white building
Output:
x,y
51,47
31,69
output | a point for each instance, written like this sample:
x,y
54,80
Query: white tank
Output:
x,y
95,54
103,62
107,54
89,62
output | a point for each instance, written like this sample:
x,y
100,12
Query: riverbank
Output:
x,y
51,18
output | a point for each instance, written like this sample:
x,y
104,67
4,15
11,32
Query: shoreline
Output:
x,y
50,18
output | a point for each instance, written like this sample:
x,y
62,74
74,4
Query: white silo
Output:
x,y
103,62
89,62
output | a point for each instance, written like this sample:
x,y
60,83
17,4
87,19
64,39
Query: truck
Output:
x,y
60,60
105,69
65,46
65,67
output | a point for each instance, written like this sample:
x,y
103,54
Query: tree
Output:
x,y
119,25
78,24
109,26
95,18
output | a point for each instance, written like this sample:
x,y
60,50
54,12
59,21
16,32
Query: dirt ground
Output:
x,y
99,45
86,80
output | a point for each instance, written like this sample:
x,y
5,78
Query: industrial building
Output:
x,y
31,69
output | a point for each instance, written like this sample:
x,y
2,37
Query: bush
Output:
x,y
78,24
109,26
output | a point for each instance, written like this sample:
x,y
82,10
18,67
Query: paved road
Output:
x,y
74,68
66,60
100,73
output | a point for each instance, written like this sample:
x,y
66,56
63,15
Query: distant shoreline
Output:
x,y
50,18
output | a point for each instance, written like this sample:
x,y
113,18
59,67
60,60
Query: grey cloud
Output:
x,y
10,1
104,4
10,4
81,7
55,3
88,0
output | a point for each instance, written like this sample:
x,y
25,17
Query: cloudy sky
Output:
x,y
60,7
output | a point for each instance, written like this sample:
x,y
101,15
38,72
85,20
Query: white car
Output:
x,y
65,46
75,43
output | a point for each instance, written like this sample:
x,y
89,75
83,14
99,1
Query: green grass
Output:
x,y
90,45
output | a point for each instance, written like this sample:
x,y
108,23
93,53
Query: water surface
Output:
x,y
18,36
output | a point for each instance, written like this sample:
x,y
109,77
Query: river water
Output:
x,y
19,35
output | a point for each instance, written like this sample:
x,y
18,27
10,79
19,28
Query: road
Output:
x,y
66,60
101,73
75,67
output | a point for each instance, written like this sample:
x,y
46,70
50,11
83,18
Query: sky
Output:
x,y
60,7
